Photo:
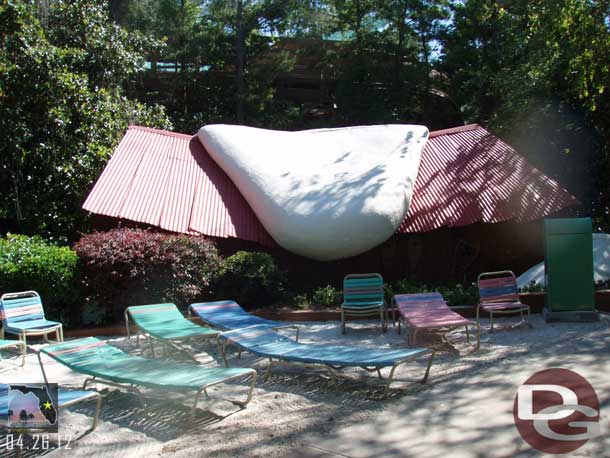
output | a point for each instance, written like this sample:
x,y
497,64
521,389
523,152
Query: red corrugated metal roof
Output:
x,y
466,175
168,180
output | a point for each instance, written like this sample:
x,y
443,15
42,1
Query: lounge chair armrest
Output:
x,y
289,326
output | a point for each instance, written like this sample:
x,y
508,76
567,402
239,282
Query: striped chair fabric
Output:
x,y
499,294
420,297
363,295
228,315
499,289
27,307
23,312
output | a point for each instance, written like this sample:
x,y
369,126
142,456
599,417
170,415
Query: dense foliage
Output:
x,y
331,297
534,71
124,267
62,109
251,278
31,263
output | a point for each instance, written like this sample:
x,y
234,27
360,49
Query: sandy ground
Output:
x,y
464,410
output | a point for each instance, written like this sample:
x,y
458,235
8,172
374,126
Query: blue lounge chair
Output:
x,y
265,342
22,314
228,315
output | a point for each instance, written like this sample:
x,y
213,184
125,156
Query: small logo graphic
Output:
x,y
29,406
556,411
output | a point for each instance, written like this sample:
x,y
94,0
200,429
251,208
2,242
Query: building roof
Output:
x,y
467,175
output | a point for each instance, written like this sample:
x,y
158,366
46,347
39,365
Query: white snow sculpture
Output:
x,y
325,194
601,264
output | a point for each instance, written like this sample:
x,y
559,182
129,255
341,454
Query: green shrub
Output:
x,y
455,294
533,287
301,301
124,267
251,278
327,296
31,263
460,294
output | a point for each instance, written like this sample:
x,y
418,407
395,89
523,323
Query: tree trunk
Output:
x,y
240,58
399,50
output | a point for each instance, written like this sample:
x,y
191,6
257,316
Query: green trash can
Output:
x,y
568,259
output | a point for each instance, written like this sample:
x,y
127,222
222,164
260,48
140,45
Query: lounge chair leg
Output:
x,y
467,335
239,353
24,349
425,379
478,337
379,373
87,380
243,404
152,346
268,371
98,407
331,373
522,317
342,322
250,391
221,347
194,408
389,382
491,321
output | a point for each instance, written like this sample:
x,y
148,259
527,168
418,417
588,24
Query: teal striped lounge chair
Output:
x,y
363,295
165,323
20,344
22,314
265,342
228,315
108,365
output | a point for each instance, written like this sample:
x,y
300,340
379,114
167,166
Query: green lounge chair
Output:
x,y
165,323
20,344
108,365
363,295
265,342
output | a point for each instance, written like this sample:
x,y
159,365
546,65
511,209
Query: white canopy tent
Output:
x,y
601,264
